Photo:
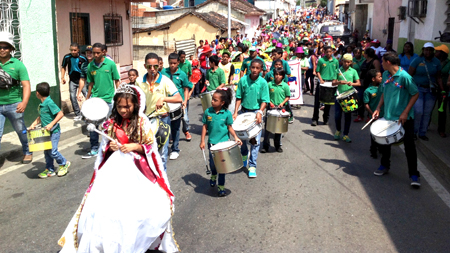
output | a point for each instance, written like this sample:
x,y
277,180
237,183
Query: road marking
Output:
x,y
70,142
432,181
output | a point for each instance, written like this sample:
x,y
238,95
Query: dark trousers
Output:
x,y
309,81
374,146
338,116
267,134
326,111
361,107
410,150
442,116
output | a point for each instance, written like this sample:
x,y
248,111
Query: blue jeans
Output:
x,y
254,149
53,154
422,111
16,119
338,116
73,88
164,152
185,119
94,137
212,166
175,129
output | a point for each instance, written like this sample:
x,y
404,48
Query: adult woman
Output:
x,y
407,56
371,62
426,71
358,60
311,72
319,50
441,54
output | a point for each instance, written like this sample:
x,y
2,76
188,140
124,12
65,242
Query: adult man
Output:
x,y
74,62
13,97
227,67
246,63
375,44
399,94
183,85
327,69
159,90
100,75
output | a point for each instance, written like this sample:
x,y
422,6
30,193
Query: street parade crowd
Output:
x,y
365,82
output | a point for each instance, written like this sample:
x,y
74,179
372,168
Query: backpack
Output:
x,y
6,81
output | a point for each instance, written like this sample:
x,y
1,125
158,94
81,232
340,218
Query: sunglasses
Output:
x,y
5,48
152,66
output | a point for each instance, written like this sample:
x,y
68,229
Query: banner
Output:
x,y
294,81
237,72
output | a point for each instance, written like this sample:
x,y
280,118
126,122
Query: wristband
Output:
x,y
259,111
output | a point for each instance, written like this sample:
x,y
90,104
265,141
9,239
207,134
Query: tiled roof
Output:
x,y
240,5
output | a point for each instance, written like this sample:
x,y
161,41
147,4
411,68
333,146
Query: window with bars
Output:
x,y
417,8
113,30
9,21
80,28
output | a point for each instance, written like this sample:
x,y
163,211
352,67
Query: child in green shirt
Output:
x,y
215,76
372,97
49,116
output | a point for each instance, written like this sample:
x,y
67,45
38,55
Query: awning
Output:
x,y
233,19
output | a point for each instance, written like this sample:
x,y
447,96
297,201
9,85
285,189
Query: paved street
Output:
x,y
320,195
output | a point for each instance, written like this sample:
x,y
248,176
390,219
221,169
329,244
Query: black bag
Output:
x,y
6,81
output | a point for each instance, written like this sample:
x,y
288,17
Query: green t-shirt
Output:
x,y
102,76
328,69
278,92
397,91
357,64
252,92
186,67
286,67
269,77
215,78
179,78
217,124
350,75
372,96
48,111
246,65
445,71
16,69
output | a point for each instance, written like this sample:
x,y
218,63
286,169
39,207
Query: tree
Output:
x,y
323,3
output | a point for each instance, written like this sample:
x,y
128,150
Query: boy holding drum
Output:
x,y
399,93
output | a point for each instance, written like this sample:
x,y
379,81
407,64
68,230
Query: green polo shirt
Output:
x,y
215,78
16,69
278,92
357,64
269,77
252,92
48,111
186,67
445,71
246,65
328,69
350,75
217,124
397,92
372,96
103,77
286,67
179,78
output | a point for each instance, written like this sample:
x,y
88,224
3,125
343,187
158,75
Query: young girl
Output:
x,y
132,76
372,97
217,120
113,215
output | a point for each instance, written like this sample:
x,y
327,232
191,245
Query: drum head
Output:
x,y
345,94
327,85
278,113
244,121
95,109
223,145
174,106
377,127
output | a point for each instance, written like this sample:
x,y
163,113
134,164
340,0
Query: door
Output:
x,y
391,24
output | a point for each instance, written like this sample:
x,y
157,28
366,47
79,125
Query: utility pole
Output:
x,y
229,18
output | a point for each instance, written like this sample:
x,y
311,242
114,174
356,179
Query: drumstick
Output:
x,y
207,168
368,123
384,129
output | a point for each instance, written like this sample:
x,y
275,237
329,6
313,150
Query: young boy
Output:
x,y
215,77
49,116
279,93
277,53
399,94
227,66
372,97
253,94
184,64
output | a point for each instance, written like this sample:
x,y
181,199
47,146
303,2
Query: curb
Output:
x,y
439,168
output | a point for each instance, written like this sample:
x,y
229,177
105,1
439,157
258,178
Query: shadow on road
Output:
x,y
200,184
37,168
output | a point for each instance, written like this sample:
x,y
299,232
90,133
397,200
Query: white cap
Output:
x,y
252,49
428,44
7,37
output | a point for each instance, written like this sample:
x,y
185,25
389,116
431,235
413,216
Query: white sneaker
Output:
x,y
174,155
78,118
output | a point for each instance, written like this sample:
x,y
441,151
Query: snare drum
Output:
x,y
277,121
245,126
227,157
327,91
175,111
95,111
386,132
39,140
206,98
348,100
161,131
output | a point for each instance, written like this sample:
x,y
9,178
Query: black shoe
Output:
x,y
425,138
314,123
325,122
415,137
264,150
279,150
374,155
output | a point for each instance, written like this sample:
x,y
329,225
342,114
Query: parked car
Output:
x,y
336,30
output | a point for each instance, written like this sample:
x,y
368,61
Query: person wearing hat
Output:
x,y
375,45
15,92
204,58
83,87
246,63
426,71
347,78
441,53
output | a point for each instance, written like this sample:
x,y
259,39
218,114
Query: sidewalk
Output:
x,y
11,149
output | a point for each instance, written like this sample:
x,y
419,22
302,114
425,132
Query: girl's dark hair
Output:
x,y
357,49
133,70
370,52
279,71
311,52
411,45
225,95
132,128
372,73
277,61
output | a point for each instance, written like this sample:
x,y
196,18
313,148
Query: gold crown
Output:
x,y
125,88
